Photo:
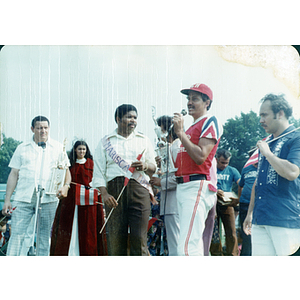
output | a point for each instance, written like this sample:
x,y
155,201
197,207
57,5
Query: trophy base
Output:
x,y
57,181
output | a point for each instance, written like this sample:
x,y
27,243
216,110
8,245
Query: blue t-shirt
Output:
x,y
277,200
227,177
247,179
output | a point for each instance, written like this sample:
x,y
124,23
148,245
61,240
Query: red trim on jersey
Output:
x,y
184,163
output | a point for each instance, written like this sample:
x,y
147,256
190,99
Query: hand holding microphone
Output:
x,y
178,118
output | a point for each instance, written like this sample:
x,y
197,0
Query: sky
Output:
x,y
79,87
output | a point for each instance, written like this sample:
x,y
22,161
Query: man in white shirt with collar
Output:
x,y
115,154
25,176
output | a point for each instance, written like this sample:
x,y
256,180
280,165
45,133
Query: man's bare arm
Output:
x,y
199,152
10,187
248,220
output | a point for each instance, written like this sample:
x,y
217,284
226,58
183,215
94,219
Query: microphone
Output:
x,y
183,112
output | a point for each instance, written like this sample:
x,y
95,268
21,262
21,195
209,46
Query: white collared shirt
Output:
x,y
28,160
105,169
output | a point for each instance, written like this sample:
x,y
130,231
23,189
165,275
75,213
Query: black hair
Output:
x,y
205,98
223,152
39,119
123,110
166,122
72,154
278,103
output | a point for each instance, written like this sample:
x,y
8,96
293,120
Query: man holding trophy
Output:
x,y
40,175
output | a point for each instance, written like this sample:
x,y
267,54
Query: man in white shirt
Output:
x,y
115,154
31,166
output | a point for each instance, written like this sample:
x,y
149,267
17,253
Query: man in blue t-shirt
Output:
x,y
274,209
226,176
248,177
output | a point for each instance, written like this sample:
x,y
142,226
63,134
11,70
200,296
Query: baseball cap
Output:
x,y
199,87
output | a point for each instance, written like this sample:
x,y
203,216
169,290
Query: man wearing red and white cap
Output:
x,y
195,192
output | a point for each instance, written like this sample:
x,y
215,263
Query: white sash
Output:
x,y
140,178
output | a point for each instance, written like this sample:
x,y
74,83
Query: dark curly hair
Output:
x,y
278,103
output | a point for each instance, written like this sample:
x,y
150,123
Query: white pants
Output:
x,y
21,220
172,231
74,243
194,202
273,240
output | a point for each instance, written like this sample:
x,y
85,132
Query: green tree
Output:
x,y
240,135
296,123
6,151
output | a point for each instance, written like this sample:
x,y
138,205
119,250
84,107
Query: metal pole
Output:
x,y
38,207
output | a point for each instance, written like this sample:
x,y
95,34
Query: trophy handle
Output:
x,y
153,109
166,164
64,144
58,172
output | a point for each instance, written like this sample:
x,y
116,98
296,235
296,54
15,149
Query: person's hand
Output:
x,y
109,200
7,208
158,161
155,181
139,165
234,202
247,224
62,192
220,193
264,148
178,122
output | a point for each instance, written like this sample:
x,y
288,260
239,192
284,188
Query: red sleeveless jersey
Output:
x,y
206,127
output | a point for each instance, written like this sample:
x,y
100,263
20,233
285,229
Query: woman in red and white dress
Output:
x,y
76,228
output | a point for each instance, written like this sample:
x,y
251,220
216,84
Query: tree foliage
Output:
x,y
296,123
6,151
241,134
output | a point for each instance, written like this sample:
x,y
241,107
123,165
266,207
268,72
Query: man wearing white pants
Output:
x,y
31,165
274,209
195,192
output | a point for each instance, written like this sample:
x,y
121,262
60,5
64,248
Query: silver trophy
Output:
x,y
58,172
163,148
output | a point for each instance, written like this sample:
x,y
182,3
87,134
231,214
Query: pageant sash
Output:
x,y
124,165
140,178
